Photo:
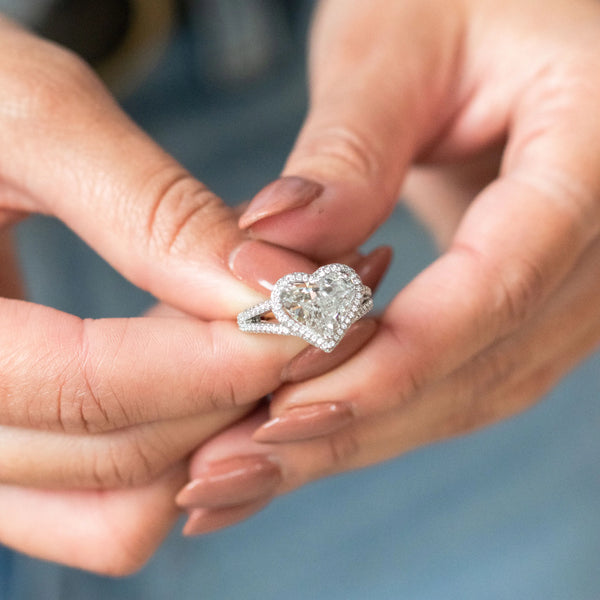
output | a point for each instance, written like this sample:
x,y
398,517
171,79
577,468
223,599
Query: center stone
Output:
x,y
319,305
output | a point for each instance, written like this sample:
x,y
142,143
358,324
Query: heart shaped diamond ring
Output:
x,y
318,307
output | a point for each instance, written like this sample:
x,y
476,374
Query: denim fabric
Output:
x,y
510,512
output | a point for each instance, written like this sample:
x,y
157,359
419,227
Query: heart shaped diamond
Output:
x,y
320,307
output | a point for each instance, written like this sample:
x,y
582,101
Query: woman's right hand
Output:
x,y
97,417
112,407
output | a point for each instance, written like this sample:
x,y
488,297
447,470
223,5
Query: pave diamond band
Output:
x,y
318,307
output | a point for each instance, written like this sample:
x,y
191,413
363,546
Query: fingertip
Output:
x,y
203,521
332,224
260,265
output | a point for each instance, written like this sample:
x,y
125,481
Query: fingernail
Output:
x,y
312,362
283,194
305,422
374,265
202,521
231,482
260,265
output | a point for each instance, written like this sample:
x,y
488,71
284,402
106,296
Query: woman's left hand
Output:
x,y
314,434
493,106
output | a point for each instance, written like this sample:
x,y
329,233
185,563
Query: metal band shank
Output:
x,y
251,320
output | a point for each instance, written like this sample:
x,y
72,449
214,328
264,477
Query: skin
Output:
x,y
519,258
98,417
484,114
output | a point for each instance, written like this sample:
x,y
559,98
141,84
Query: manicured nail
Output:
x,y
374,265
312,362
283,194
260,265
232,481
202,521
305,422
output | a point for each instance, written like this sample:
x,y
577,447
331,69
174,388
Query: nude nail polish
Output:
x,y
202,521
312,362
232,481
283,194
374,265
305,422
260,265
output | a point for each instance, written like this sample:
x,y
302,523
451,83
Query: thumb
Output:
x,y
74,154
373,93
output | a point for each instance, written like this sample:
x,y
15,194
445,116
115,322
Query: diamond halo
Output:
x,y
317,307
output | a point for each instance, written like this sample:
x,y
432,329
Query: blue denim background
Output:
x,y
510,512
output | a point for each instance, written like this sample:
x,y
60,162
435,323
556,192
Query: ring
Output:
x,y
317,307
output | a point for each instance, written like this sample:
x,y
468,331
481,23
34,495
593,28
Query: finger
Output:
x,y
75,375
113,533
365,384
484,392
129,457
500,382
515,245
59,372
76,155
251,479
373,97
226,488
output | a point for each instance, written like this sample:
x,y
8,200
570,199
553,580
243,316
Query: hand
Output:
x,y
104,500
492,105
97,417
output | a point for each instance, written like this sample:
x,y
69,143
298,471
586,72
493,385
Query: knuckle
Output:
x,y
491,370
409,383
521,288
345,149
109,470
484,377
88,395
341,448
180,212
77,404
218,395
220,388
88,401
147,459
512,290
224,396
123,465
498,387
405,381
